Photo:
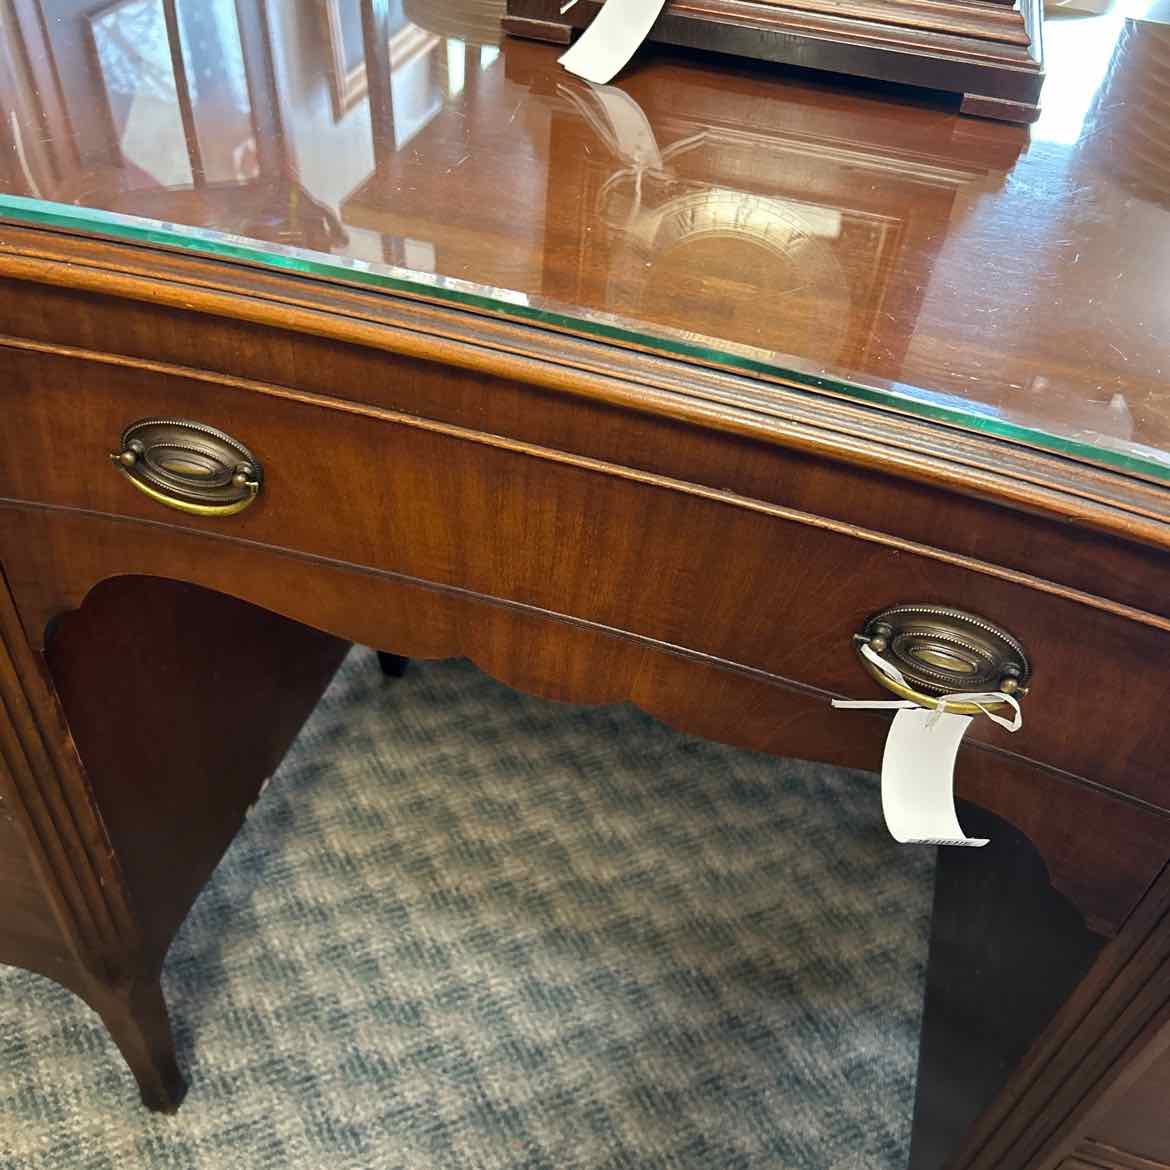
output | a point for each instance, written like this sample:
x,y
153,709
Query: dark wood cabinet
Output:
x,y
989,51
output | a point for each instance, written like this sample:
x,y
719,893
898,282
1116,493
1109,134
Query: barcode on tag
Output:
x,y
918,777
968,842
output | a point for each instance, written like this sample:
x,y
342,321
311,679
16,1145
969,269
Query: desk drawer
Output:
x,y
747,582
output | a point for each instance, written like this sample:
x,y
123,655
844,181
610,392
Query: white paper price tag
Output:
x,y
918,778
612,39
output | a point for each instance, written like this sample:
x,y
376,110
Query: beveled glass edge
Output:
x,y
1136,459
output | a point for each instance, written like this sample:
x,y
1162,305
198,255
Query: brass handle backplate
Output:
x,y
189,466
943,651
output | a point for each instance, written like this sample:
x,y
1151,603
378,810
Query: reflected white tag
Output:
x,y
918,778
633,136
612,39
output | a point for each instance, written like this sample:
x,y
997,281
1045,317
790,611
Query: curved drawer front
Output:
x,y
742,581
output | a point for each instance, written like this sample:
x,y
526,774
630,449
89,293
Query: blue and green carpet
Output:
x,y
465,929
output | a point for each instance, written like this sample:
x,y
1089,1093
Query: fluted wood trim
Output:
x,y
45,782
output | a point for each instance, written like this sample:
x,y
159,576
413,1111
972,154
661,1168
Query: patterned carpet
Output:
x,y
465,928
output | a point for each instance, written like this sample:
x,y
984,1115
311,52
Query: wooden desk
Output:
x,y
652,393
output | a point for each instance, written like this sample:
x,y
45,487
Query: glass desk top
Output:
x,y
849,237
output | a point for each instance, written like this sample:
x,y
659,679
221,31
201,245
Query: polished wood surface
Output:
x,y
541,386
465,508
871,237
588,519
504,546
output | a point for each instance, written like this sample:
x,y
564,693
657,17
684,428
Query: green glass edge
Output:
x,y
908,399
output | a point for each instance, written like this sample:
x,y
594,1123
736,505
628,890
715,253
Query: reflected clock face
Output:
x,y
729,250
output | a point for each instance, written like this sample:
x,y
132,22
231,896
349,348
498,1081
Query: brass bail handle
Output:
x,y
935,650
189,466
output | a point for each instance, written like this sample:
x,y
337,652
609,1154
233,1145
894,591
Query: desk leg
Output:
x,y
180,703
1006,950
393,665
64,911
137,1020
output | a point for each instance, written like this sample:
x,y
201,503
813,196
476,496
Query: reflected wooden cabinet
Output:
x,y
989,51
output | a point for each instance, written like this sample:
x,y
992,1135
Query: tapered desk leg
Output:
x,y
179,703
137,1019
1006,950
64,912
393,665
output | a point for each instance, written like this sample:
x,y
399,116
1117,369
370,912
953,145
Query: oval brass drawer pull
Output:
x,y
189,466
943,651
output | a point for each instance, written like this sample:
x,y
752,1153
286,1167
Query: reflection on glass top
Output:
x,y
850,238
